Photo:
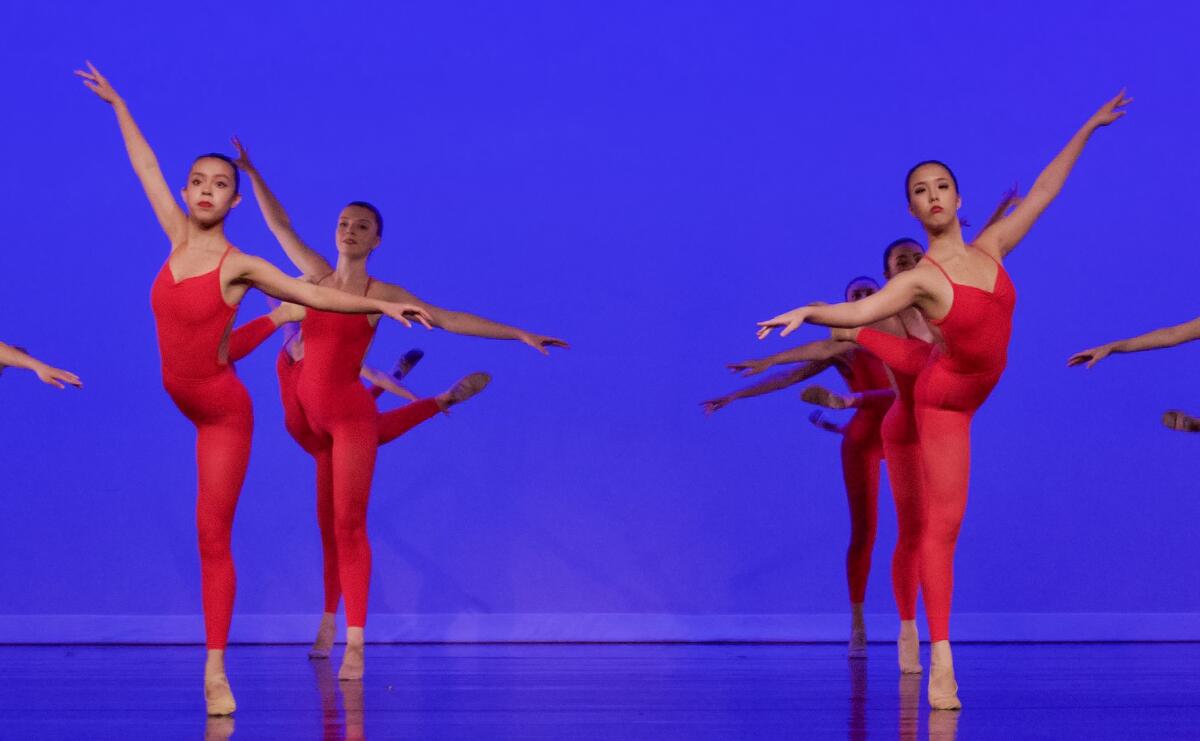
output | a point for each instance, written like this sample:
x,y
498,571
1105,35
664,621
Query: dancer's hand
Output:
x,y
99,84
790,322
243,158
406,314
542,343
1090,357
748,368
1111,111
56,377
713,405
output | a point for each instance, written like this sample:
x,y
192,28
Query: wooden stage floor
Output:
x,y
562,691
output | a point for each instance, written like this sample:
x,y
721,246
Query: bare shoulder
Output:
x,y
389,291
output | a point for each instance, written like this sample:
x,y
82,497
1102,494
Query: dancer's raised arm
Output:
x,y
1159,338
16,358
1004,235
461,322
305,258
170,216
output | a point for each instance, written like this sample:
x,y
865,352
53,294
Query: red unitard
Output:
x,y
193,321
390,425
901,450
862,452
954,383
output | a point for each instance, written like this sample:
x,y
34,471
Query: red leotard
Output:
x,y
952,386
862,452
902,451
193,321
390,425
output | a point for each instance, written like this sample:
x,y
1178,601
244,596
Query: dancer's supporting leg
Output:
x,y
861,455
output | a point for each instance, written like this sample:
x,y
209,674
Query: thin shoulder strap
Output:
x,y
990,257
367,290
223,256
939,267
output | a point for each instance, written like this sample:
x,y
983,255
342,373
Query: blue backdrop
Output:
x,y
645,180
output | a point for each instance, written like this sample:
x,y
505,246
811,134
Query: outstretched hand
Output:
x,y
1090,357
712,405
542,343
243,156
98,84
57,377
1112,110
790,322
406,314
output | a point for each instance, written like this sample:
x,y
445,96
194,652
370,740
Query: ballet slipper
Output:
x,y
908,648
406,363
353,663
1177,420
326,633
858,633
943,690
823,397
464,389
218,695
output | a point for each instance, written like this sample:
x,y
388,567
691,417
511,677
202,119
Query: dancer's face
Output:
x,y
209,193
933,197
859,290
357,232
903,258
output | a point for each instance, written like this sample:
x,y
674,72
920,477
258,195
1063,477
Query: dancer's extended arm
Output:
x,y
1003,236
305,258
274,282
461,322
773,382
141,156
816,350
16,358
1159,338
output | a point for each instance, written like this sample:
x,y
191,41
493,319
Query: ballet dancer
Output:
x,y
862,448
337,407
194,299
973,310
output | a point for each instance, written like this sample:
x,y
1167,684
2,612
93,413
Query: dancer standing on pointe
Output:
x,y
973,309
195,299
1153,340
862,448
16,357
336,405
